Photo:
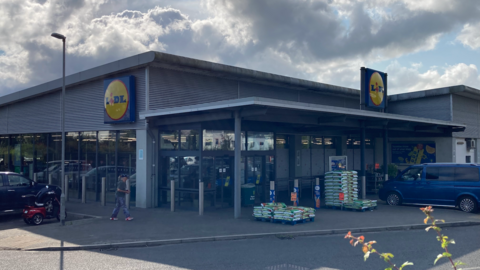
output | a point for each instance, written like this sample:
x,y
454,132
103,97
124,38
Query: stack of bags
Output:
x,y
337,182
362,204
280,211
266,210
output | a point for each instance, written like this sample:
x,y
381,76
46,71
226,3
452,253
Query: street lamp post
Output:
x,y
62,197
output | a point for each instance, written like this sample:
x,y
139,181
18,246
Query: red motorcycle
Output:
x,y
44,205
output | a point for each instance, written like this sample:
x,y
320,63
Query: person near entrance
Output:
x,y
120,199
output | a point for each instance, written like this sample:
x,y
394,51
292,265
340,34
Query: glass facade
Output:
x,y
90,154
260,141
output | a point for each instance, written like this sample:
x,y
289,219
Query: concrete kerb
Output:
x,y
250,236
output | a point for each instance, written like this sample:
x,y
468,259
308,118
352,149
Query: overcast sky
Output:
x,y
422,44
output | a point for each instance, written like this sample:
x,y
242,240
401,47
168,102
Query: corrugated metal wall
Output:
x,y
83,109
3,120
436,107
466,111
266,91
311,97
169,89
40,114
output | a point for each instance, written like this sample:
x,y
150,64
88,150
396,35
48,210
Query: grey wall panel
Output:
x,y
282,163
169,88
266,91
435,107
306,162
350,160
3,120
318,162
466,111
328,153
40,114
84,105
322,99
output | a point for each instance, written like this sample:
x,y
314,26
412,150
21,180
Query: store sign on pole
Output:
x,y
272,196
293,196
296,202
373,88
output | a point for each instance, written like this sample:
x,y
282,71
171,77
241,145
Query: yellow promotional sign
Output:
x,y
116,100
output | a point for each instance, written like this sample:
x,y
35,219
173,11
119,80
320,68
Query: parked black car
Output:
x,y
13,186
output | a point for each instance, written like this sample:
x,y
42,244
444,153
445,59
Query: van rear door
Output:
x,y
438,187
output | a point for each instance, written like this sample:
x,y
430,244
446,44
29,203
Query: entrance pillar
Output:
x,y
385,153
237,161
362,162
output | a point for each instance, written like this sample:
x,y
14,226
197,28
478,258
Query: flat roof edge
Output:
x,y
116,66
456,89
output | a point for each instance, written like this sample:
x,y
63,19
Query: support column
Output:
x,y
385,153
362,162
237,161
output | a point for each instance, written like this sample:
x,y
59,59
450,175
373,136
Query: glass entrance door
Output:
x,y
218,175
256,175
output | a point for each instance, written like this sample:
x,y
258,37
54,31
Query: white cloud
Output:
x,y
408,79
470,35
322,40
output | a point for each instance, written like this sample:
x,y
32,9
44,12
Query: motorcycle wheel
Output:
x,y
28,221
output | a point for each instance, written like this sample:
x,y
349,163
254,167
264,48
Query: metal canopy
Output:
x,y
305,117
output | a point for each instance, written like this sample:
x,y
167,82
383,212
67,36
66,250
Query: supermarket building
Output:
x,y
176,120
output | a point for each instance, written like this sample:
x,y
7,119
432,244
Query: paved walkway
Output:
x,y
161,224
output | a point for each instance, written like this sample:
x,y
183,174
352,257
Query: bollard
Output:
x,y
66,188
272,191
295,189
84,189
172,195
127,197
35,177
50,180
317,193
104,184
200,198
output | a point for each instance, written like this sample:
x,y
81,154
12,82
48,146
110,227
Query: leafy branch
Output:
x,y
441,238
368,249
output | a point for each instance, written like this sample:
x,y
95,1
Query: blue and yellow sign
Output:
x,y
376,89
413,153
119,100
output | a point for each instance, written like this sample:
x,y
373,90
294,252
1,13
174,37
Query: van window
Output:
x,y
412,174
467,174
440,173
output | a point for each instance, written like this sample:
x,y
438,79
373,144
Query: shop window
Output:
x,y
316,142
169,140
106,162
281,142
218,140
260,141
189,140
305,142
22,154
4,160
127,159
40,155
329,143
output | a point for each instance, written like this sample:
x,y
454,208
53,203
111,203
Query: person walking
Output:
x,y
120,199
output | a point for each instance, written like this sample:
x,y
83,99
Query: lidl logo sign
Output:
x,y
119,100
376,92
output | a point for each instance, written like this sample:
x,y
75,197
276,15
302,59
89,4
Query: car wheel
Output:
x,y
394,198
28,221
467,204
37,219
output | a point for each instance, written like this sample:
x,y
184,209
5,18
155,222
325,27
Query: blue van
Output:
x,y
446,184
